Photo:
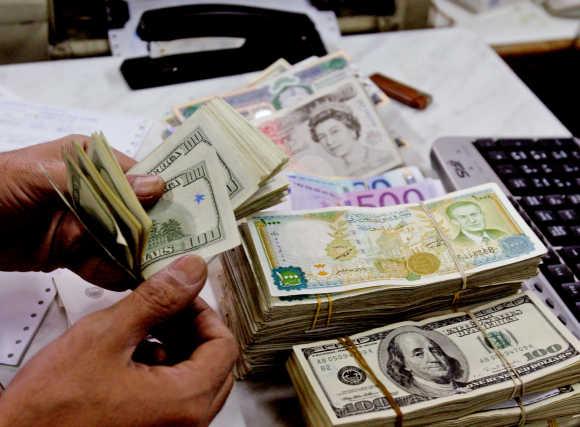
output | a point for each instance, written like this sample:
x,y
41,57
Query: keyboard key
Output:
x,y
484,144
538,155
529,169
518,185
547,143
559,155
575,231
545,216
496,156
574,199
568,215
550,258
562,184
570,168
571,292
518,155
571,256
504,170
513,143
532,201
548,168
555,200
558,235
558,274
542,184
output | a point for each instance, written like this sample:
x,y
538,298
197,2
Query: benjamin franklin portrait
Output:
x,y
470,219
422,362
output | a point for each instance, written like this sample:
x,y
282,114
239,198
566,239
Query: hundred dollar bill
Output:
x,y
304,196
436,369
338,249
289,88
240,180
335,132
194,215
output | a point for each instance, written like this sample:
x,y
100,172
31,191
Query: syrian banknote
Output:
x,y
193,215
338,249
336,132
288,89
440,361
305,196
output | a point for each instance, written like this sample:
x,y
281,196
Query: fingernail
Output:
x,y
189,270
145,185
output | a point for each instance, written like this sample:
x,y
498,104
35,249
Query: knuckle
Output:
x,y
161,296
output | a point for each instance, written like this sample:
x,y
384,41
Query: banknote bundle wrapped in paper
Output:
x,y
459,369
217,167
307,275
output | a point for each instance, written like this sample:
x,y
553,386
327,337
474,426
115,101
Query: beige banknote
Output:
x,y
331,250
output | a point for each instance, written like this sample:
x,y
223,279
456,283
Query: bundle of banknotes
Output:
x,y
459,369
321,112
305,275
217,167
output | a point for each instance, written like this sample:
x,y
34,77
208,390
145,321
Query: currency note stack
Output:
x,y
459,369
308,275
321,112
217,167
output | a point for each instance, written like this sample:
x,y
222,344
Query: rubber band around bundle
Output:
x,y
451,252
353,350
319,309
519,389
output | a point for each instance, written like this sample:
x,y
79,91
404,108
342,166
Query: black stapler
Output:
x,y
268,35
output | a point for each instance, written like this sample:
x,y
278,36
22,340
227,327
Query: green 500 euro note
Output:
x,y
338,249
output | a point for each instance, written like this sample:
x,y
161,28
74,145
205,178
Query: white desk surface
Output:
x,y
518,22
474,92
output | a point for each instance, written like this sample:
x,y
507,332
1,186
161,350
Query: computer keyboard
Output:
x,y
542,178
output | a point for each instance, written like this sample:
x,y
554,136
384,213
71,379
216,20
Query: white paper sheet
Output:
x,y
80,297
24,300
23,124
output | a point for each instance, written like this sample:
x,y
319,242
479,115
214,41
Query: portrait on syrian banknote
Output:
x,y
423,362
469,217
334,132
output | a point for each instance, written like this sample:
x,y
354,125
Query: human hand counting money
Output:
x,y
88,377
41,234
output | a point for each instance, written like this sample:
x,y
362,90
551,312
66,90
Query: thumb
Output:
x,y
159,298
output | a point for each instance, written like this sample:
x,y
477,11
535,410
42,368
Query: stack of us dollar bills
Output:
x,y
451,370
307,275
217,168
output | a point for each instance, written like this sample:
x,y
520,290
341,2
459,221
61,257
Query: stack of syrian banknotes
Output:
x,y
217,167
445,371
321,112
307,275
